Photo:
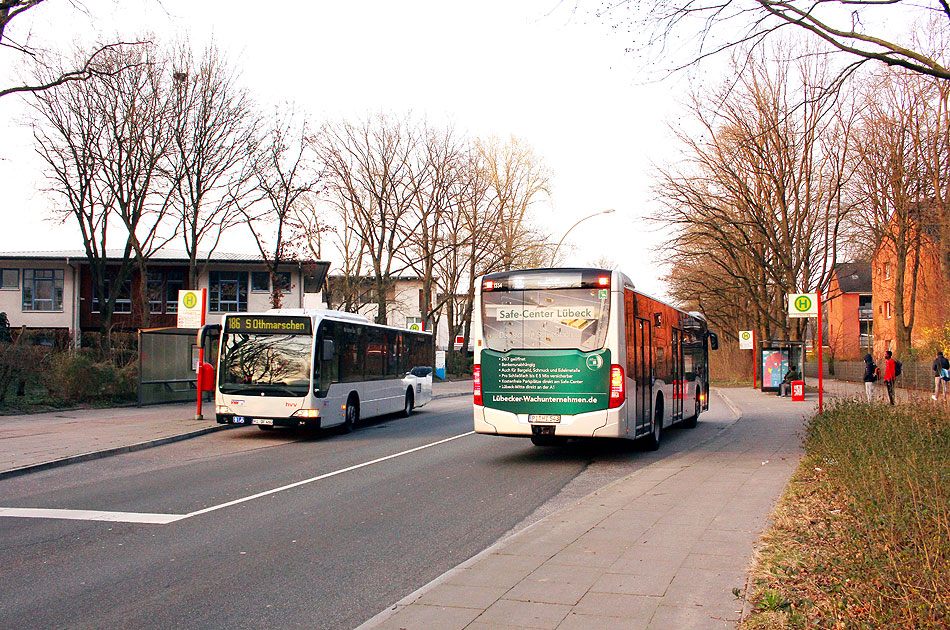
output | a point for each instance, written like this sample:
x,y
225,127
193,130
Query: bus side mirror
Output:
x,y
328,349
713,340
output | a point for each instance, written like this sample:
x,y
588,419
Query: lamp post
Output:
x,y
554,253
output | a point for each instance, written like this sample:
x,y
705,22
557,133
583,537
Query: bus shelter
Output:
x,y
168,362
773,360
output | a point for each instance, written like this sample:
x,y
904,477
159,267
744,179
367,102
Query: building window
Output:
x,y
260,282
887,271
282,278
9,278
42,290
227,291
887,310
123,301
174,282
154,289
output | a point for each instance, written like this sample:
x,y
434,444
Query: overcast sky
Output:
x,y
533,69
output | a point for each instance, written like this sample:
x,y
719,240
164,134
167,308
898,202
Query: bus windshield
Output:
x,y
265,364
537,319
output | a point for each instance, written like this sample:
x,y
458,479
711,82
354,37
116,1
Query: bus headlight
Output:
x,y
306,413
222,409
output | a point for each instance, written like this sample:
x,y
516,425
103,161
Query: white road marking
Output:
x,y
165,519
92,515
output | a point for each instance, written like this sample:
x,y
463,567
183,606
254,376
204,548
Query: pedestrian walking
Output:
x,y
870,376
890,374
941,368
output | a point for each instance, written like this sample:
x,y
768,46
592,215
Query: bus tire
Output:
x,y
410,403
351,416
690,423
652,441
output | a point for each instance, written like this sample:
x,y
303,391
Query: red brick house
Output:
x,y
849,311
926,302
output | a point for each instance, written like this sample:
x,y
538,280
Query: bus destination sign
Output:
x,y
268,325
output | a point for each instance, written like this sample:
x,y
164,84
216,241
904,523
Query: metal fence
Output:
x,y
914,374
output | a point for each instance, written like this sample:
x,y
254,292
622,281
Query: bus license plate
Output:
x,y
543,419
264,421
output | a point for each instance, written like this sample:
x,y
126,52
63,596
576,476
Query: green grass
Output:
x,y
861,537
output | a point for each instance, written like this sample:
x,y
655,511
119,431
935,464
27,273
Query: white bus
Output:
x,y
318,368
565,353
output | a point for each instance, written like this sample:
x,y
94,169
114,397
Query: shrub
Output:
x,y
78,377
19,362
861,538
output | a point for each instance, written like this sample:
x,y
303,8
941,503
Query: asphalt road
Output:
x,y
328,553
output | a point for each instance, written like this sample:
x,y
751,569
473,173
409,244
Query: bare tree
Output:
x,y
86,67
897,192
212,159
517,179
369,174
284,177
102,141
758,209
439,179
137,108
713,26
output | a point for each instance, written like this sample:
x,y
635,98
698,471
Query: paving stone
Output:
x,y
462,596
654,584
638,607
526,614
419,617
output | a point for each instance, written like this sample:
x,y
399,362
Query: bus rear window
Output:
x,y
546,319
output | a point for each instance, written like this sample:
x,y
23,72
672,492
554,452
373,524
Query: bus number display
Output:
x,y
264,325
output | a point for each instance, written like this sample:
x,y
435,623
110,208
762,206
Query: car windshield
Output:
x,y
271,365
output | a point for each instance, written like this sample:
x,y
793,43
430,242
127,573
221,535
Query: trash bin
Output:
x,y
798,390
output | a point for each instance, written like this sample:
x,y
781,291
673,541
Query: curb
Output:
x,y
141,446
732,406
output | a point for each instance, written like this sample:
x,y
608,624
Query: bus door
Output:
x,y
679,384
644,373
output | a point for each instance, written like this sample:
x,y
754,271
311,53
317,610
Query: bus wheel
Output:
x,y
690,423
652,441
351,416
407,408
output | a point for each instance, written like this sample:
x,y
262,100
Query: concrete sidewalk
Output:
x,y
661,549
33,442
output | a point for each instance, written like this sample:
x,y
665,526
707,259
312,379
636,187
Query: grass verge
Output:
x,y
861,537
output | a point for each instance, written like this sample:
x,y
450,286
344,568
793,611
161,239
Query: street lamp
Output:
x,y
554,254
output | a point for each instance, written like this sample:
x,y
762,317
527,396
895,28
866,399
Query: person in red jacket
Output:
x,y
890,374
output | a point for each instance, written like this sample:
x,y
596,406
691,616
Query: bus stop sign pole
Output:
x,y
821,365
201,353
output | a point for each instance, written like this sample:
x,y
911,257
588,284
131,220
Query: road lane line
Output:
x,y
165,519
324,476
92,515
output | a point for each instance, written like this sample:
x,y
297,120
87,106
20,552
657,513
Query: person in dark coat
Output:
x,y
870,376
940,365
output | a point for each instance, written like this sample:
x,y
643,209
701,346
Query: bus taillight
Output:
x,y
477,384
618,392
